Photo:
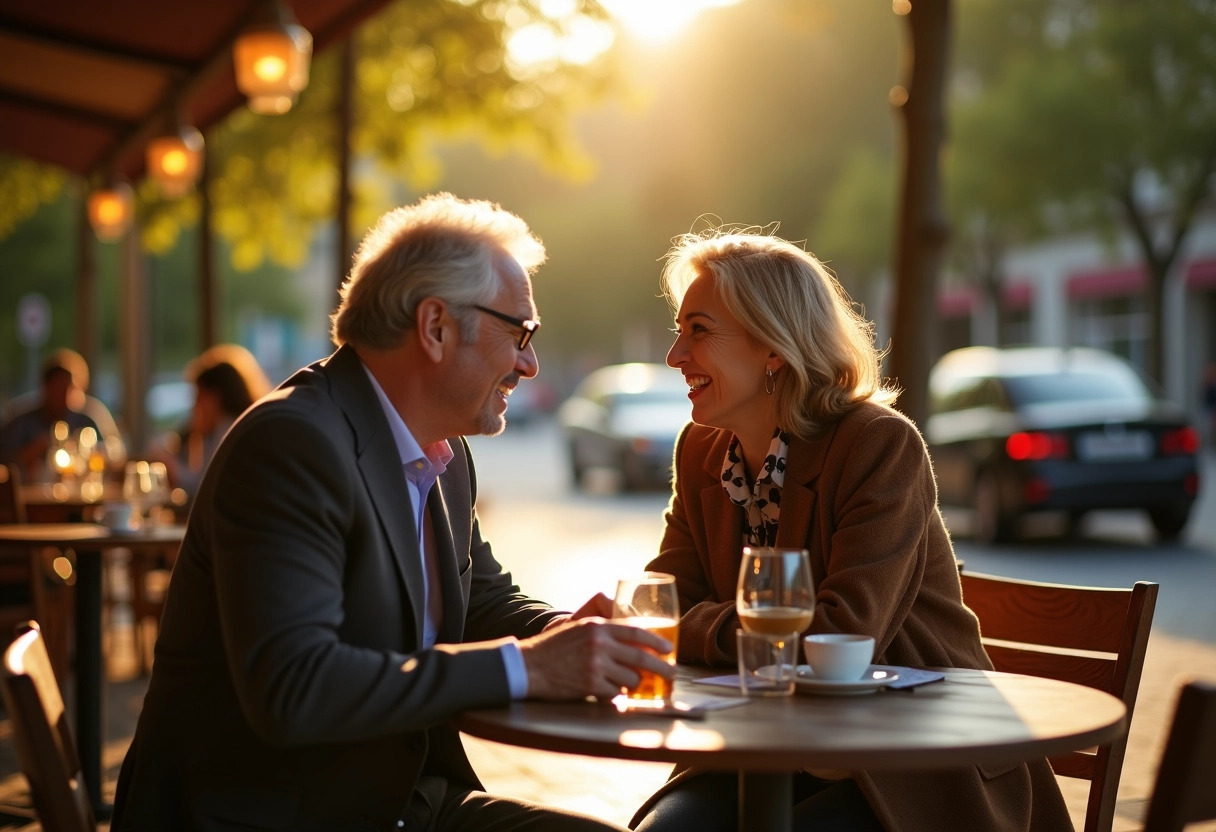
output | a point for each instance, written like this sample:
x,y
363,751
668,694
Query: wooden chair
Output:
x,y
29,586
149,574
1183,793
43,740
1088,635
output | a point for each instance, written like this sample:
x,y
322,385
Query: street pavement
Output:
x,y
613,789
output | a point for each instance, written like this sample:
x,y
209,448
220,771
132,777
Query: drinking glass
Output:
x,y
137,486
775,595
158,496
649,602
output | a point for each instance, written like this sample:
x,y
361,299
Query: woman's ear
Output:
x,y
436,329
775,362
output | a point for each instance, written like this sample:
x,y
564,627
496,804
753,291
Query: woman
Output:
x,y
794,443
227,380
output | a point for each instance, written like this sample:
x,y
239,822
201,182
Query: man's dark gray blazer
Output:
x,y
290,690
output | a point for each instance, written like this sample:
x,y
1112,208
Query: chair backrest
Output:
x,y
12,509
44,744
1092,636
1183,793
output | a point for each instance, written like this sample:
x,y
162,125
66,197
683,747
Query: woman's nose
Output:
x,y
677,355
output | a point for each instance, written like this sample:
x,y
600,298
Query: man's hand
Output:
x,y
599,605
591,656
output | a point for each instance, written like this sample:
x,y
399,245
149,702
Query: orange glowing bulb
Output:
x,y
270,68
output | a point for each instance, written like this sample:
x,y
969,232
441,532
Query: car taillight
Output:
x,y
1036,491
1036,445
1180,442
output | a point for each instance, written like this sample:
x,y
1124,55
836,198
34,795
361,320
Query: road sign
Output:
x,y
33,320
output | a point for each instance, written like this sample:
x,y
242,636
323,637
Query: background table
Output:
x,y
971,718
65,502
90,543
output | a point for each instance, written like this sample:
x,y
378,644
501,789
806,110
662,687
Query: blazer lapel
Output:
x,y
379,462
723,521
452,629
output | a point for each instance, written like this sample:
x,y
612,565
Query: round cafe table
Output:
x,y
971,717
90,542
66,502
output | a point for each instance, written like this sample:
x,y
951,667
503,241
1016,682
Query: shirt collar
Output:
x,y
420,463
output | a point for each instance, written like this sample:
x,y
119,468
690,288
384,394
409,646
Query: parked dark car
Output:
x,y
625,417
1020,430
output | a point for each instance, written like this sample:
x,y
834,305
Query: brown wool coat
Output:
x,y
862,499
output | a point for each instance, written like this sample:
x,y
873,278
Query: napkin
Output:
x,y
910,677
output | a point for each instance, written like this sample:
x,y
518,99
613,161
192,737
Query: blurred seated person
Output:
x,y
26,437
78,400
227,379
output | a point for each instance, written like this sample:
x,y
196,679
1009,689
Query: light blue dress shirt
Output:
x,y
422,468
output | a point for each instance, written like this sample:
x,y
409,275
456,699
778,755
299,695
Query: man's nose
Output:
x,y
527,364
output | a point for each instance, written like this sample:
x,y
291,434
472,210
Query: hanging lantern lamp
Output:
x,y
110,211
271,58
175,159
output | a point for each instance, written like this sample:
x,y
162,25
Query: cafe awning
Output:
x,y
84,84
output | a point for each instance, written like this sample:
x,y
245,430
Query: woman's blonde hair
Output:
x,y
789,302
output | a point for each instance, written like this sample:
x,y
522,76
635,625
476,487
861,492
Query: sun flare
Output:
x,y
657,21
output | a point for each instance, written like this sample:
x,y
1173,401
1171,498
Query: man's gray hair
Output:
x,y
442,247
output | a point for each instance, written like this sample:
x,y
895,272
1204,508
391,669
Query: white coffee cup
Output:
x,y
119,516
838,657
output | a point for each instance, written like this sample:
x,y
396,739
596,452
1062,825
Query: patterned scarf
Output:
x,y
763,502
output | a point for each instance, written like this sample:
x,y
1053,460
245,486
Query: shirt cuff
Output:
x,y
517,671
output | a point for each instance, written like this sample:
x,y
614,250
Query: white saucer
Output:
x,y
873,679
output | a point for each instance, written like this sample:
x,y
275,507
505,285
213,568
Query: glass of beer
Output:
x,y
649,602
775,595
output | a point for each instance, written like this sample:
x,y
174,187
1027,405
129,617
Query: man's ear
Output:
x,y
436,328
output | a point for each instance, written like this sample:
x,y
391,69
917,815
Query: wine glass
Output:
x,y
158,496
775,595
649,602
137,486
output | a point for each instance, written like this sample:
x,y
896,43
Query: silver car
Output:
x,y
625,418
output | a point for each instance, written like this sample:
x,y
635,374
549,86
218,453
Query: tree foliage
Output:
x,y
1083,113
24,186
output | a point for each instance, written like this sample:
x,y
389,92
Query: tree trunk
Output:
x,y
922,227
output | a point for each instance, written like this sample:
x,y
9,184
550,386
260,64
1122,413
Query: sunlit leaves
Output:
x,y
25,185
426,70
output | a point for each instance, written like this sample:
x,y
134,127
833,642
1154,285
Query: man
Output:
x,y
334,604
26,437
77,400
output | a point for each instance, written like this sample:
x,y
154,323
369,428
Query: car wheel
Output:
x,y
1169,521
632,478
576,466
991,524
1074,525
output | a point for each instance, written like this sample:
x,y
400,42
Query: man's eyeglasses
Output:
x,y
527,328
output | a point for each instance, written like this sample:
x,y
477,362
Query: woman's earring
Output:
x,y
770,383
